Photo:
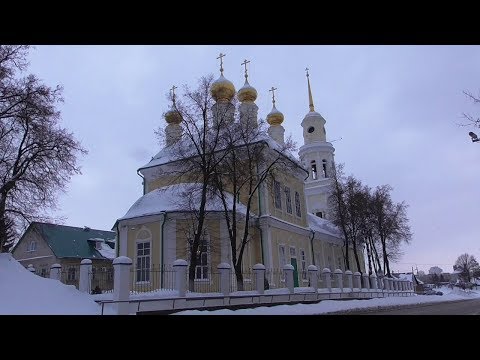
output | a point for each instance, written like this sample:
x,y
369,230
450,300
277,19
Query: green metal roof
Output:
x,y
72,242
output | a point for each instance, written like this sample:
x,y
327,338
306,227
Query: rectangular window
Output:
x,y
303,260
201,270
43,272
329,262
288,200
293,252
298,211
143,261
71,274
277,194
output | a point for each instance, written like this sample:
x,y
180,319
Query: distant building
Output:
x,y
418,284
43,245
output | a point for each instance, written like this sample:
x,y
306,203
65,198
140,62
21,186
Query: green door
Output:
x,y
293,261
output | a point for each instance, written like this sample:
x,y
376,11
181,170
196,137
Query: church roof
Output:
x,y
170,154
323,226
174,198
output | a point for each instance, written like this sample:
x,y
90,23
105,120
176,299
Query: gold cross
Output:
x,y
273,94
306,69
221,62
245,62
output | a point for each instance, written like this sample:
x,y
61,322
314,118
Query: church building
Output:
x,y
290,217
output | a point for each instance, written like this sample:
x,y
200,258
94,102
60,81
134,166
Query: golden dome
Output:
x,y
222,90
275,117
173,117
247,93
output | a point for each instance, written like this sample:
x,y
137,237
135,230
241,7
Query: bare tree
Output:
x,y
467,265
37,156
250,159
194,159
391,224
435,270
472,120
338,205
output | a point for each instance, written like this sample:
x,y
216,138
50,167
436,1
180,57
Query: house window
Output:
x,y
303,261
297,204
319,214
314,170
329,263
340,263
324,168
143,261
277,194
288,200
32,246
282,258
43,272
201,270
71,274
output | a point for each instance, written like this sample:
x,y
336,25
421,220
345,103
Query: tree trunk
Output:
x,y
3,222
369,257
359,269
375,253
239,277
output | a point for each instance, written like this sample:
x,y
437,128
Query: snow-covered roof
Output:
x,y
107,251
322,225
174,198
169,154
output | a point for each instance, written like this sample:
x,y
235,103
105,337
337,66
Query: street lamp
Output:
x,y
473,136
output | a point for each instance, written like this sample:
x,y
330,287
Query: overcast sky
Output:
x,y
395,109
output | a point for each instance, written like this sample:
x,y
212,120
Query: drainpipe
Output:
x,y
143,180
311,244
259,214
118,239
161,257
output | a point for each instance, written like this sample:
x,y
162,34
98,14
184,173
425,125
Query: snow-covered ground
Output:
x,y
330,306
24,293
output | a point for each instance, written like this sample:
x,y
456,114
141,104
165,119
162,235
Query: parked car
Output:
x,y
432,292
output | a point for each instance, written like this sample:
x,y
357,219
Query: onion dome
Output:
x,y
222,90
247,93
275,117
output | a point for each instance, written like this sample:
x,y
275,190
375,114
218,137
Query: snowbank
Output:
x,y
24,293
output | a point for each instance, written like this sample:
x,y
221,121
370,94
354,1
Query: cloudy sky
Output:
x,y
392,112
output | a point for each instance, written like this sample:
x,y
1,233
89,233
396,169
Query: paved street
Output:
x,y
463,307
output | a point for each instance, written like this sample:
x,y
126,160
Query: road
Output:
x,y
462,307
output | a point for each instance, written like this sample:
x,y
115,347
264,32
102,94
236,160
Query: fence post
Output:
x,y
348,275
380,280
180,268
259,271
85,282
373,281
313,277
386,284
328,278
55,271
339,278
357,280
288,269
366,281
31,268
121,283
225,271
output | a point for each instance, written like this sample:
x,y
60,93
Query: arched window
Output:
x,y
298,210
313,169
32,246
143,252
324,167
